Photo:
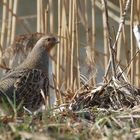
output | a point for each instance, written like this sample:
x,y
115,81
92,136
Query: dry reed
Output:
x,y
132,42
68,21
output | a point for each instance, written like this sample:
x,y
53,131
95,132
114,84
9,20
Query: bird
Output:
x,y
24,84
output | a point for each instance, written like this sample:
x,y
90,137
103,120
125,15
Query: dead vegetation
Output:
x,y
84,108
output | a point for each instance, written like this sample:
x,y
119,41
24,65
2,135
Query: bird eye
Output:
x,y
54,39
48,39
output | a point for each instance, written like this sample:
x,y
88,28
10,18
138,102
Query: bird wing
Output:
x,y
25,86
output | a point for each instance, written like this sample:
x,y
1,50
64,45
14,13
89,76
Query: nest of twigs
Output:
x,y
115,94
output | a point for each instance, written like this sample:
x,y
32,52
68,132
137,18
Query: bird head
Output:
x,y
48,41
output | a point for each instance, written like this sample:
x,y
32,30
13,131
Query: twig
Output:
x,y
132,46
118,33
111,14
14,21
76,92
17,18
3,28
112,56
129,63
136,31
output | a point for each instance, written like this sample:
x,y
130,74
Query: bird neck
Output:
x,y
37,59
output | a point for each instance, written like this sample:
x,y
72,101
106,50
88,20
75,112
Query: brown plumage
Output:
x,y
26,81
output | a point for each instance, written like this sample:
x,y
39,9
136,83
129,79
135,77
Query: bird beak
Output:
x,y
57,41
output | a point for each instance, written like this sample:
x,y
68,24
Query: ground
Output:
x,y
68,125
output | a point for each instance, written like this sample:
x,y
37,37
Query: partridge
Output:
x,y
25,83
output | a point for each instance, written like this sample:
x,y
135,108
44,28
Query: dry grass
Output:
x,y
74,22
103,124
